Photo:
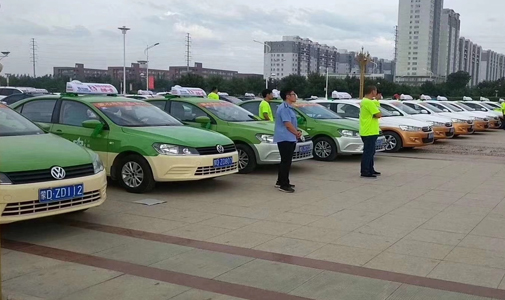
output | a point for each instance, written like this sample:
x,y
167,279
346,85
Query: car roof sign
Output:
x,y
340,95
187,91
77,87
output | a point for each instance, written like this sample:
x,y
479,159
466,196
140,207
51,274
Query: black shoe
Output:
x,y
277,185
368,176
377,173
289,190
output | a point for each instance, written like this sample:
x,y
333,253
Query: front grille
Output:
x,y
470,129
307,138
449,133
427,141
45,175
35,207
203,171
469,122
300,155
213,150
448,124
427,129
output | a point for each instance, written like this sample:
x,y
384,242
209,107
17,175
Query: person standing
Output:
x,y
265,110
286,134
502,104
369,131
213,94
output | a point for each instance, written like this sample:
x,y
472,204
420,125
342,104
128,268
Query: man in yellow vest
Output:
x,y
369,130
265,110
502,104
213,94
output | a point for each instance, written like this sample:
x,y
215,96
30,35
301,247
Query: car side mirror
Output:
x,y
396,113
300,120
93,124
44,126
424,111
483,109
445,110
204,120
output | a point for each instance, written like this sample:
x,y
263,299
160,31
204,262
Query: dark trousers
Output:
x,y
367,164
286,150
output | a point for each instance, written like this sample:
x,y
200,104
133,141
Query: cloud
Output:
x,y
196,31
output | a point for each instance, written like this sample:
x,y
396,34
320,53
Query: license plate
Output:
x,y
61,193
379,143
430,135
223,162
304,149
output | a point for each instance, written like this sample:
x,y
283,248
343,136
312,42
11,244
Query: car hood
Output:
x,y
348,124
397,121
179,135
257,127
430,118
40,152
455,115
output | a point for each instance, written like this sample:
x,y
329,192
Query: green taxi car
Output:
x,y
138,143
43,175
331,134
252,137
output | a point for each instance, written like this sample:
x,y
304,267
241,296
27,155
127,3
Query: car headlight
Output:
x,y
97,163
410,128
348,133
265,138
481,119
458,121
438,124
167,149
4,179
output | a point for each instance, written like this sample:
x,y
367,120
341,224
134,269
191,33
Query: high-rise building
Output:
x,y
470,57
418,41
449,41
492,66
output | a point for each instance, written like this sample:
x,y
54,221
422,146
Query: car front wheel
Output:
x,y
135,175
325,149
246,159
393,141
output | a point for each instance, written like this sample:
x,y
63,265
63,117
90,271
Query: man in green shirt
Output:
x,y
369,131
265,110
213,94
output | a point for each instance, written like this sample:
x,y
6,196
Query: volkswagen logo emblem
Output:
x,y
220,149
58,173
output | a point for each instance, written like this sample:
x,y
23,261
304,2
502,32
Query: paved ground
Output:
x,y
432,227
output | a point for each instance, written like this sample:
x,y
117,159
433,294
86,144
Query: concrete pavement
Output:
x,y
432,227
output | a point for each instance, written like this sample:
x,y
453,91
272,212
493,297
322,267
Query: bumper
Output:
x,y
354,145
495,124
269,153
463,128
190,168
443,132
20,202
480,126
417,139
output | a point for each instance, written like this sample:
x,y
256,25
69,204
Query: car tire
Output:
x,y
132,168
325,149
393,141
455,136
246,159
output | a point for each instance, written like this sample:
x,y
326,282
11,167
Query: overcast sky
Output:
x,y
71,31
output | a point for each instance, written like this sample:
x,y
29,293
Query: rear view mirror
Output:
x,y
424,111
93,124
204,120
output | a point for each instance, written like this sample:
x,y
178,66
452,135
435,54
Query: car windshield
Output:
x,y
466,107
409,110
452,107
229,112
317,111
487,106
136,114
385,112
492,105
13,124
232,99
431,107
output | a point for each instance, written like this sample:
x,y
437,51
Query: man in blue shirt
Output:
x,y
286,135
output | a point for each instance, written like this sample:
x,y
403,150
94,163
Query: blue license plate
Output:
x,y
223,162
304,149
61,193
379,143
430,135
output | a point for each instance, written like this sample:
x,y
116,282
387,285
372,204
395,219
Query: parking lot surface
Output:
x,y
431,227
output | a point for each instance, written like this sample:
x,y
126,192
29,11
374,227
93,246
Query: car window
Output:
x,y
186,112
252,107
441,107
14,92
73,113
316,111
6,92
159,104
13,124
389,108
229,112
13,98
347,110
39,111
136,113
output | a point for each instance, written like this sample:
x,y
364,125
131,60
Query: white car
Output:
x,y
12,90
495,115
463,125
481,122
442,125
400,132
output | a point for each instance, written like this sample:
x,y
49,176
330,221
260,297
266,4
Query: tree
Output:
x,y
315,85
458,80
191,80
297,83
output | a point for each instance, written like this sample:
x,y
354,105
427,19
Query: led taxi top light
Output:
x,y
77,87
340,95
187,92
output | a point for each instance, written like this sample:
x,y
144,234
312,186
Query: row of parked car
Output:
x,y
181,136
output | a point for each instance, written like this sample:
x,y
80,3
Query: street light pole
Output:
x,y
267,78
363,59
124,30
327,80
147,64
